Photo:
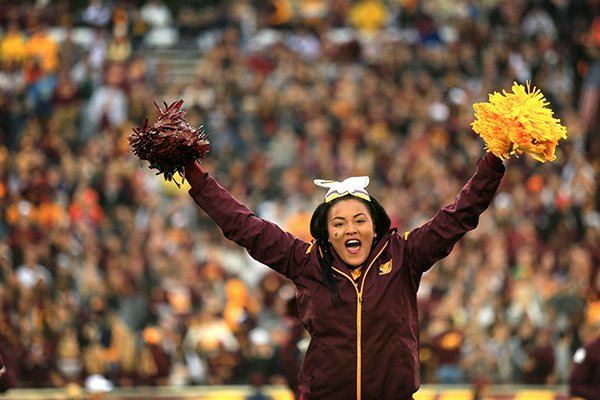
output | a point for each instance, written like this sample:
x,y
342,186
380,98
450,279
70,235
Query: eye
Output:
x,y
360,221
337,224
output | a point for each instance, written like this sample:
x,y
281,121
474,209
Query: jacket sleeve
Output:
x,y
435,239
265,241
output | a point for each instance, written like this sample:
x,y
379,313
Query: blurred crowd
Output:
x,y
106,269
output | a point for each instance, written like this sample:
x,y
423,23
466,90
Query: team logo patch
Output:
x,y
385,268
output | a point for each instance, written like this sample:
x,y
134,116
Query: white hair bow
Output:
x,y
354,186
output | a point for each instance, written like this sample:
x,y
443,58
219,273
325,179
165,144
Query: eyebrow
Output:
x,y
354,216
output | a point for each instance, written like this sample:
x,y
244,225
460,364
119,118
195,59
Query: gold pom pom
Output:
x,y
518,122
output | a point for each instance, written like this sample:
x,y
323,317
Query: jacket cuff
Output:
x,y
196,177
494,162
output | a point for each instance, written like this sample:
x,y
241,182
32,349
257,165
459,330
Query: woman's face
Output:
x,y
351,230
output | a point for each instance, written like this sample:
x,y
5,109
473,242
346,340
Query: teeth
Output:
x,y
353,243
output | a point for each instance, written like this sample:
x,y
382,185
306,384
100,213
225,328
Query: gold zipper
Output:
x,y
359,300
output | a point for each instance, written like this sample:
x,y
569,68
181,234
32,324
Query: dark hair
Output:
x,y
318,230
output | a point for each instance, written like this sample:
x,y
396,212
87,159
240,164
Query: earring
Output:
x,y
375,234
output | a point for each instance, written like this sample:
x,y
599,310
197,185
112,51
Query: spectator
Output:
x,y
40,96
260,361
41,51
154,365
539,361
107,108
96,50
6,378
68,358
257,382
118,49
159,20
368,16
156,14
31,274
13,45
96,14
446,347
499,345
585,372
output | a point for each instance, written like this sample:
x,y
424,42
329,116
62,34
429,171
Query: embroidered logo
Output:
x,y
385,268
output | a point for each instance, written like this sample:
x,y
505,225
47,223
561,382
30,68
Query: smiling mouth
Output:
x,y
353,246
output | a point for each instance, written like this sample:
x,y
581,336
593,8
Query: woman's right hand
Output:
x,y
193,171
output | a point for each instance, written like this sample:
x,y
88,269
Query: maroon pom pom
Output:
x,y
170,142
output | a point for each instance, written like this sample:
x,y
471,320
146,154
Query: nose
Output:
x,y
351,229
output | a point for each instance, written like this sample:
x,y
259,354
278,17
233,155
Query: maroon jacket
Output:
x,y
365,347
585,373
